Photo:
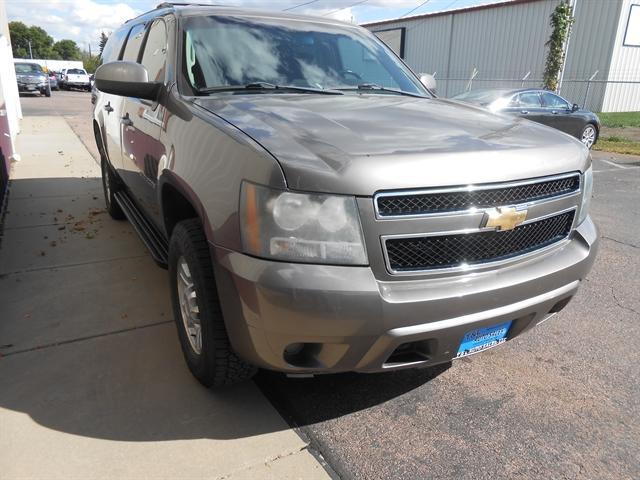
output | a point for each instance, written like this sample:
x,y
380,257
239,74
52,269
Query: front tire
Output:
x,y
47,91
196,308
589,135
110,185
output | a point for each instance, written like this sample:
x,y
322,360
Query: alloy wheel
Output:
x,y
588,136
189,306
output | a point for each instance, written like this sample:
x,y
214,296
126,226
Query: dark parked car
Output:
x,y
32,79
540,106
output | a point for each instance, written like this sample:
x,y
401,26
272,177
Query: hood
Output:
x,y
32,75
360,144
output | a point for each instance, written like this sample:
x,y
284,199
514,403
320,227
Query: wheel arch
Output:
x,y
99,137
179,202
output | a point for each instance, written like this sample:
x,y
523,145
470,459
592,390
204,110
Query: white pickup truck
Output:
x,y
75,78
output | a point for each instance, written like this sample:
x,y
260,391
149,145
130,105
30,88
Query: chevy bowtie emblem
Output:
x,y
504,218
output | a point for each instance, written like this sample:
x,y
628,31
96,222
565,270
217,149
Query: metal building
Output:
x,y
503,45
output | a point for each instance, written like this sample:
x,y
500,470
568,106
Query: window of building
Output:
x,y
632,34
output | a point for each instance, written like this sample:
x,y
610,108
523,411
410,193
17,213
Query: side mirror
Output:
x,y
575,107
128,79
428,81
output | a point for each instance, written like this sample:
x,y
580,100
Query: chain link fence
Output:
x,y
595,95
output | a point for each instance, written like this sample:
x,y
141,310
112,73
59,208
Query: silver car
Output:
x,y
318,208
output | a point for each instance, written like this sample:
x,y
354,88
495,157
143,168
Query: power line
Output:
x,y
300,5
344,8
414,9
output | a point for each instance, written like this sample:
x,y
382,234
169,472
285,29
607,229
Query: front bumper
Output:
x,y
31,87
347,320
77,84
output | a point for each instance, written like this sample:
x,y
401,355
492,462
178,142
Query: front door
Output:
x,y
560,115
141,124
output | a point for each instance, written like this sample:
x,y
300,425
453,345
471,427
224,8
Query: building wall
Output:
x,y
625,66
507,42
10,111
592,41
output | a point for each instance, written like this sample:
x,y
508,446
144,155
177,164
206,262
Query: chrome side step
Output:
x,y
154,240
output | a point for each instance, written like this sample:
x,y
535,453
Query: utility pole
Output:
x,y
89,49
574,7
30,52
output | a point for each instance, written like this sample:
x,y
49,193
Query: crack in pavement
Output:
x,y
68,265
620,242
82,339
619,303
267,462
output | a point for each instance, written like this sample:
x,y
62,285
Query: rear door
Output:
x,y
110,106
529,105
125,132
142,122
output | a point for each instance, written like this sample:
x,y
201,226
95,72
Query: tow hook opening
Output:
x,y
560,305
411,353
302,355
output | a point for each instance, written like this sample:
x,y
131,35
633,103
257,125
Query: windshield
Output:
x,y
28,68
76,71
233,51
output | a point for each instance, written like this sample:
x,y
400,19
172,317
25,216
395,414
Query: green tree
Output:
x,y
561,22
21,36
103,41
67,49
90,62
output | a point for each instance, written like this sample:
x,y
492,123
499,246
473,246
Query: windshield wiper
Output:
x,y
266,86
380,88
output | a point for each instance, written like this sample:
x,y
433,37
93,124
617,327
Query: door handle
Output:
x,y
126,121
555,112
108,107
524,112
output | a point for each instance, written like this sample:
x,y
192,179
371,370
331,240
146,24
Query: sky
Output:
x,y
83,20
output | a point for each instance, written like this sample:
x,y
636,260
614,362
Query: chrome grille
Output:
x,y
426,202
444,251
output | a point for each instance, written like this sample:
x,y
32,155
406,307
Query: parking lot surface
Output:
x,y
562,401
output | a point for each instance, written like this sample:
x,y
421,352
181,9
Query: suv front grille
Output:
x,y
445,251
423,203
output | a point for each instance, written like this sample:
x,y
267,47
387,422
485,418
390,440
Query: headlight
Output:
x,y
310,228
587,193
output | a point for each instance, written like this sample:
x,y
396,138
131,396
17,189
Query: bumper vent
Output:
x,y
424,203
445,251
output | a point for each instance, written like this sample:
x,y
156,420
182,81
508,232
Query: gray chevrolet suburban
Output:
x,y
318,208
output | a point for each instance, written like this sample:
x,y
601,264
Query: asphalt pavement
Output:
x,y
562,401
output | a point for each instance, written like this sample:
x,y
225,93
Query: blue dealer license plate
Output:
x,y
483,338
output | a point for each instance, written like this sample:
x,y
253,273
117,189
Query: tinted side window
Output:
x,y
155,51
136,36
529,99
113,47
553,101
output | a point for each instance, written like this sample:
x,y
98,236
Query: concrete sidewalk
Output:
x,y
92,380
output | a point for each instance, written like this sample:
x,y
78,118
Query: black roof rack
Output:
x,y
188,4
